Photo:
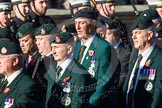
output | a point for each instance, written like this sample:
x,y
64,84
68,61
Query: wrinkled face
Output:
x,y
60,51
6,63
41,6
84,27
24,9
43,44
5,19
108,9
26,43
141,38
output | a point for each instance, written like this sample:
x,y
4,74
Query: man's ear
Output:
x,y
15,61
150,35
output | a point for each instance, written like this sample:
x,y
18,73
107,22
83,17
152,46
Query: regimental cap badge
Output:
x,y
3,50
57,39
144,14
43,31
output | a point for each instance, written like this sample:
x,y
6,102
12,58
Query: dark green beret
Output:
x,y
25,29
5,6
151,13
9,47
89,12
142,22
5,33
44,29
63,37
15,2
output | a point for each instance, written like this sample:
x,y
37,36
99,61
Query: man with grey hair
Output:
x,y
17,90
143,85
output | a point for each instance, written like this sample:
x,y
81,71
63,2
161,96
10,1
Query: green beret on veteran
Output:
x,y
44,29
78,3
142,22
63,37
154,3
5,33
15,2
9,47
105,1
5,6
89,12
151,13
25,29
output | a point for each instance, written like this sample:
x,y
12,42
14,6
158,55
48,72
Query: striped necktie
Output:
x,y
80,56
3,84
58,72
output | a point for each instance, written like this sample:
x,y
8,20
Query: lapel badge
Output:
x,y
57,39
43,31
3,50
8,102
65,101
91,52
148,85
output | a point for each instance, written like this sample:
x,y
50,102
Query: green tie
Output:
x,y
58,72
3,84
82,49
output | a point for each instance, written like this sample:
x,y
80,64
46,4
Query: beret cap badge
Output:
x,y
57,38
3,50
43,31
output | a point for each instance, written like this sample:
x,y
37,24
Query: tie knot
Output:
x,y
59,69
83,47
140,57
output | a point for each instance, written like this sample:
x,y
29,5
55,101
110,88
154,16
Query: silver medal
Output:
x,y
66,101
66,89
91,72
148,86
92,65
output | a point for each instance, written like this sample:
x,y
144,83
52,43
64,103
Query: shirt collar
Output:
x,y
66,62
13,76
148,50
88,43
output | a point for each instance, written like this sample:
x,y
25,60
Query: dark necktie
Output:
x,y
58,72
3,84
131,90
82,49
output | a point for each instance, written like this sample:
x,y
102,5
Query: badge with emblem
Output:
x,y
66,101
148,85
43,31
57,39
3,50
8,102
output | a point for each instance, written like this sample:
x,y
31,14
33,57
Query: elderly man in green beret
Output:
x,y
25,36
21,9
94,53
17,90
143,85
68,82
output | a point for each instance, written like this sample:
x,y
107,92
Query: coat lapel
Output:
x,y
77,49
133,60
93,47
